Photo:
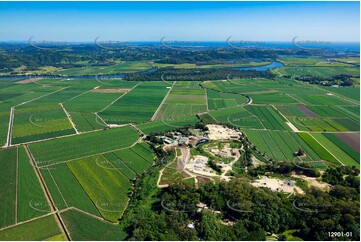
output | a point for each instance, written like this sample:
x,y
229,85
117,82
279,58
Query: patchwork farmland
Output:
x,y
182,100
74,149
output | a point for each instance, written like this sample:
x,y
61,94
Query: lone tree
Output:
x,y
300,152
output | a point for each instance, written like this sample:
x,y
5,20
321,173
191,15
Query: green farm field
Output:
x,y
167,124
182,100
136,106
31,200
221,100
281,145
126,66
8,160
74,147
336,151
100,143
63,185
107,188
83,227
40,229
40,123
324,71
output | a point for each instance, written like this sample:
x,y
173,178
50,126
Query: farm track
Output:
x,y
57,187
58,137
205,90
138,130
110,104
104,123
61,89
81,94
10,129
48,195
294,128
326,149
26,221
89,214
11,119
249,99
161,171
69,117
139,140
161,104
16,185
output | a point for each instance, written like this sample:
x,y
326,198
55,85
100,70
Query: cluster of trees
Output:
x,y
194,74
344,176
341,80
212,164
240,211
284,168
79,55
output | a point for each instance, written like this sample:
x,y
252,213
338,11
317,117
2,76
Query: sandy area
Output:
x,y
219,132
277,185
199,165
112,90
294,128
28,80
312,181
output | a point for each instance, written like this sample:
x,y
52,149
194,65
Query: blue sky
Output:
x,y
209,21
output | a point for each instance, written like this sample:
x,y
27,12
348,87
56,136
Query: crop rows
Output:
x,y
8,186
40,123
238,117
322,152
136,106
107,188
335,150
351,152
63,185
31,198
269,117
280,145
78,146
